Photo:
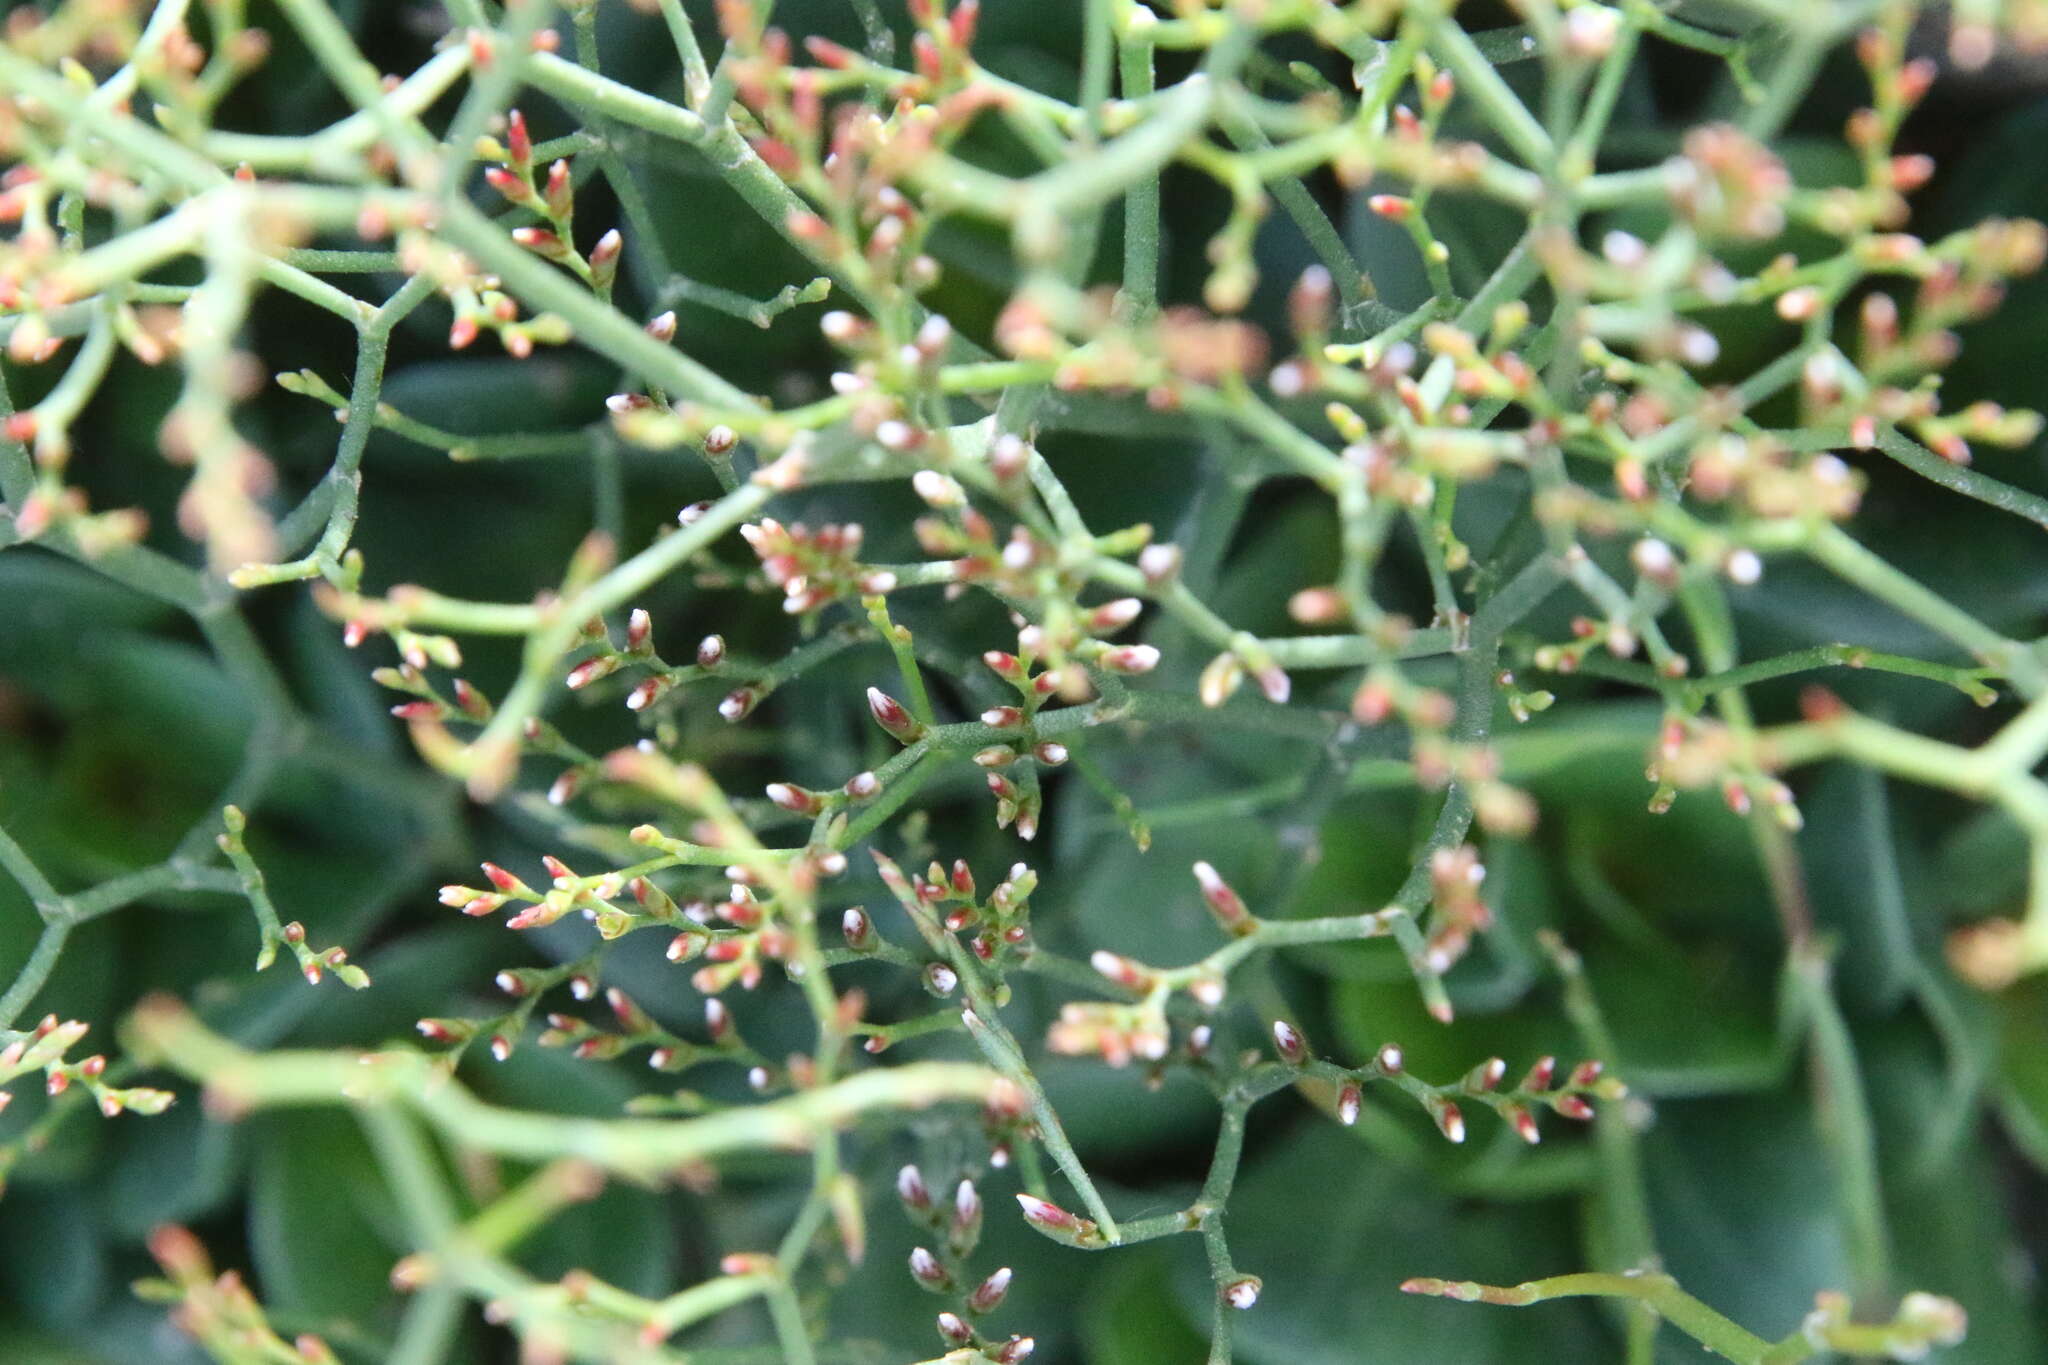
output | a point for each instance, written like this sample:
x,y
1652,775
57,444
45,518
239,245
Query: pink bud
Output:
x,y
988,1295
505,881
1113,616
858,929
794,799
1287,1040
1047,1217
1159,563
1224,903
1130,659
892,717
1523,1122
1130,975
1449,1120
518,141
1349,1099
926,1270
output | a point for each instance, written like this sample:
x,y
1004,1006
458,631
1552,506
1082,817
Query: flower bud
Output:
x,y
1450,1121
926,1270
965,1229
892,717
1288,1042
1349,1100
911,1189
858,929
1224,903
794,799
1048,1217
1130,659
1159,563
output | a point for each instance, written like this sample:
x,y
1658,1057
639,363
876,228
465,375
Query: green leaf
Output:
x,y
2023,1065
1853,878
1129,1316
1742,1199
323,1233
1333,1231
53,1259
1704,1024
176,1167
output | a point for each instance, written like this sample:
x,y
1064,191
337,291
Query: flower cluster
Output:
x,y
1556,464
